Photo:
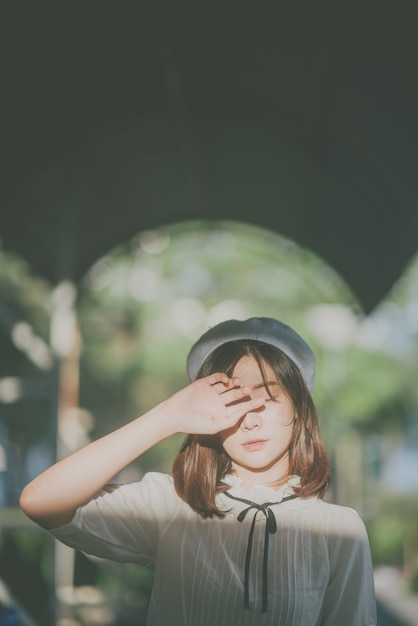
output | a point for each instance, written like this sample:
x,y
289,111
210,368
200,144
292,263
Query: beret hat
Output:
x,y
263,329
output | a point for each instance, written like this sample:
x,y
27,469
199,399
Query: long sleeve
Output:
x,y
350,596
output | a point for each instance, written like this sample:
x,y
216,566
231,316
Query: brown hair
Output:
x,y
201,464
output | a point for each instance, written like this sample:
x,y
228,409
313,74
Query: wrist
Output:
x,y
162,421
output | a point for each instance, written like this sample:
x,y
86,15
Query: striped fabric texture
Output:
x,y
319,569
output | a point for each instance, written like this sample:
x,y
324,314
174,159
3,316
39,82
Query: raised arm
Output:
x,y
206,406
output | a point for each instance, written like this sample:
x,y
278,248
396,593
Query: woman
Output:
x,y
239,534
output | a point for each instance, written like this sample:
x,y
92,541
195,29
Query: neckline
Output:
x,y
259,492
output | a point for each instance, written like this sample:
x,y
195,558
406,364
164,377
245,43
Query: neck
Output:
x,y
249,479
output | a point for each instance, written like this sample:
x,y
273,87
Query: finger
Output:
x,y
218,377
238,410
232,383
236,394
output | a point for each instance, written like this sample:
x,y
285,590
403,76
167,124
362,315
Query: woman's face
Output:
x,y
258,445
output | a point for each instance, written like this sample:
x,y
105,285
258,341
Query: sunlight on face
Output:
x,y
258,445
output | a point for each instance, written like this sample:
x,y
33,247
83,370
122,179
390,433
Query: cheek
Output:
x,y
284,416
286,423
226,437
283,428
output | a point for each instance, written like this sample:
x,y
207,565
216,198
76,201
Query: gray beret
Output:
x,y
263,329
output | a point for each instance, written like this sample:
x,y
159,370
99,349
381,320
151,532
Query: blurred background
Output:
x,y
168,168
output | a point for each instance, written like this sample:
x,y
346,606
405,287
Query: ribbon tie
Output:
x,y
270,528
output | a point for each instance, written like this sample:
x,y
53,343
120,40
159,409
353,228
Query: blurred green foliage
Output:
x,y
386,536
413,579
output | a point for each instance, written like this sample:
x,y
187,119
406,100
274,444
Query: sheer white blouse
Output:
x,y
318,569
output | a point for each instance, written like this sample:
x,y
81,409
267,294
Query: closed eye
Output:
x,y
271,399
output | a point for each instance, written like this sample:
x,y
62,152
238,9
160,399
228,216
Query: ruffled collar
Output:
x,y
261,493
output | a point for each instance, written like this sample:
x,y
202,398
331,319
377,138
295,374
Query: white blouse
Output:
x,y
318,569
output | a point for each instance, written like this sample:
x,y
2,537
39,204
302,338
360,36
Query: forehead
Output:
x,y
248,370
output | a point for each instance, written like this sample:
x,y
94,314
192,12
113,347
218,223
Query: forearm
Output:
x,y
52,498
206,406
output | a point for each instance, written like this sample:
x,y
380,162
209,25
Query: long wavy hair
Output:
x,y
201,464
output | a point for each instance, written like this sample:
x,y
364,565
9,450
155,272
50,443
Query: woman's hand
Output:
x,y
209,405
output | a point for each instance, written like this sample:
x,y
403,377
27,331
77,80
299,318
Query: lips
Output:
x,y
255,444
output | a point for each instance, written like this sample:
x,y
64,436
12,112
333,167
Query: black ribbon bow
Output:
x,y
270,528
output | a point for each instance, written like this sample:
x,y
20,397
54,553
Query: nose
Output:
x,y
251,420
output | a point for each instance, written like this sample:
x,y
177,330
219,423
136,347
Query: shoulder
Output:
x,y
345,531
153,487
154,496
157,480
341,517
325,517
